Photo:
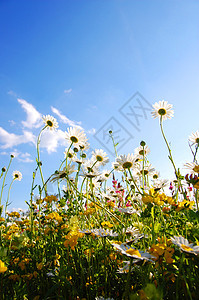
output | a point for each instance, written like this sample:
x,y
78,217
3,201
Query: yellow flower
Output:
x,y
50,198
40,266
14,277
3,268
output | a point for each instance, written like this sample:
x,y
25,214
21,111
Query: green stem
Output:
x,y
8,197
38,159
170,154
126,291
114,145
3,184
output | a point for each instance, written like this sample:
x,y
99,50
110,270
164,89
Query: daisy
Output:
x,y
193,167
85,146
69,153
184,245
129,211
50,122
162,110
90,169
100,156
17,175
125,161
160,183
140,151
155,175
132,252
103,233
95,183
104,176
148,170
194,137
76,136
64,173
102,298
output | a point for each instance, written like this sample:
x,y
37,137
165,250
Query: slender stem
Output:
x,y
170,155
135,182
126,291
8,197
114,145
3,184
38,159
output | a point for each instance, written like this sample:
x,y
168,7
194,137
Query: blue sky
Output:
x,y
81,61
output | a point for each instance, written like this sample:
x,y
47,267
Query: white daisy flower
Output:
x,y
85,146
69,153
155,175
133,231
125,161
101,232
162,109
102,298
95,183
132,252
17,175
184,245
50,122
76,136
64,173
194,137
140,151
192,167
160,183
148,170
104,175
100,156
90,169
129,210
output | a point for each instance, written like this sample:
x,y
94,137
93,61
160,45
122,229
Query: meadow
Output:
x,y
123,233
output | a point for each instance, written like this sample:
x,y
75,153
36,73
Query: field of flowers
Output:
x,y
122,233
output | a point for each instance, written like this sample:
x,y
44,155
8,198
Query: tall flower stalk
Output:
x,y
16,176
4,178
51,124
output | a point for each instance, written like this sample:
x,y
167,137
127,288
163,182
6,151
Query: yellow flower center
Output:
x,y
74,139
49,123
127,165
196,169
133,252
186,248
99,158
162,111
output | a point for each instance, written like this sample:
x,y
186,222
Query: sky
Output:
x,y
100,65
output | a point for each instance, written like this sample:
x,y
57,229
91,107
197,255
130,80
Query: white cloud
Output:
x,y
67,91
12,123
10,140
20,156
4,153
12,93
91,131
64,119
34,118
51,140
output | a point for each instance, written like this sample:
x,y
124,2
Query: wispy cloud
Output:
x,y
12,123
22,157
12,93
64,119
91,131
10,140
67,91
51,140
34,118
